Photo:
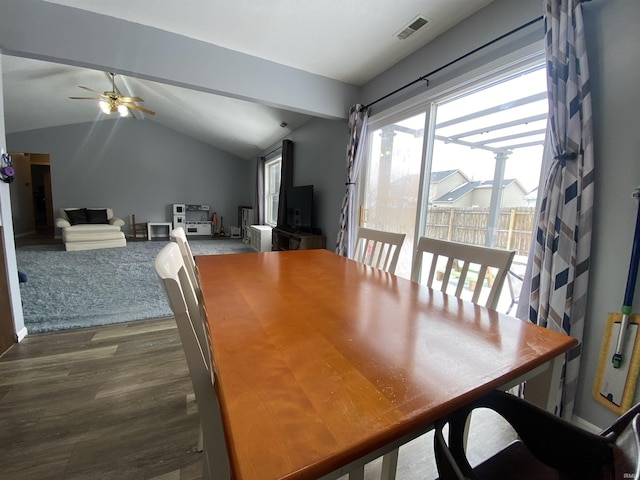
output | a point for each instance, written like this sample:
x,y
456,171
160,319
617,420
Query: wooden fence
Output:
x,y
469,225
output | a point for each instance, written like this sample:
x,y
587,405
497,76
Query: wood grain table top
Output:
x,y
321,360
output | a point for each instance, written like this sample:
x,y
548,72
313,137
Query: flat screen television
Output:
x,y
299,207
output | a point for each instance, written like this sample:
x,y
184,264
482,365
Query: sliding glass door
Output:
x,y
393,181
464,167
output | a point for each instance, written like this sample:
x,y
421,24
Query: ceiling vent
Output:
x,y
413,26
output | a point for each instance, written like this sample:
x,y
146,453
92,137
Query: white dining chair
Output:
x,y
171,270
179,236
378,249
459,266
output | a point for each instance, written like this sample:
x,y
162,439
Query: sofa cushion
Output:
x,y
97,215
77,216
70,235
92,227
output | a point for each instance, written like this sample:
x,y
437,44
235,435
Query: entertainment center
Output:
x,y
297,232
285,240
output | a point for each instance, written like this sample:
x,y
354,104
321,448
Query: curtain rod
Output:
x,y
424,77
272,151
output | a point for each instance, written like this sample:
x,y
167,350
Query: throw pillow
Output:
x,y
97,216
77,216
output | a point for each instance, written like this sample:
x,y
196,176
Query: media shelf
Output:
x,y
285,240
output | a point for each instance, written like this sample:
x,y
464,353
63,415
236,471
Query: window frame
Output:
x,y
271,216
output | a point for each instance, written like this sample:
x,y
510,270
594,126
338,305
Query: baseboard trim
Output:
x,y
25,234
588,426
21,334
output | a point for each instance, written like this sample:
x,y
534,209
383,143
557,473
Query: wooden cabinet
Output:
x,y
284,240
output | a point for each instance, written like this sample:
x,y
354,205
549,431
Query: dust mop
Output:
x,y
619,358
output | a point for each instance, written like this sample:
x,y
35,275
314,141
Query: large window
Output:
x,y
462,166
272,169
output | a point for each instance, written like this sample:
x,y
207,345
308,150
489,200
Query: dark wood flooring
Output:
x,y
99,403
116,402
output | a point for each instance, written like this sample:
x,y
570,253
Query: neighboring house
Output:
x,y
478,194
444,181
532,197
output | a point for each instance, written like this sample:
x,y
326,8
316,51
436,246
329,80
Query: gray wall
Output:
x,y
6,232
613,37
139,167
319,159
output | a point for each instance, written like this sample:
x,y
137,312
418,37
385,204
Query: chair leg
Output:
x,y
389,465
200,443
467,427
206,474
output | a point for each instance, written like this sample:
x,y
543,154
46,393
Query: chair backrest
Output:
x,y
378,249
62,214
179,236
138,228
547,446
463,266
182,300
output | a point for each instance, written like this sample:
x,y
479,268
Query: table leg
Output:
x,y
542,390
357,474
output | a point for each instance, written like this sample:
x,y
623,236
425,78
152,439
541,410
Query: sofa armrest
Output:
x,y
62,223
118,222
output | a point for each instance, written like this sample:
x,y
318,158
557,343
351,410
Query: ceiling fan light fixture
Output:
x,y
104,106
111,101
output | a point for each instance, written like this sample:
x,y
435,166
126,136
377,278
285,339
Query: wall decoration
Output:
x,y
7,172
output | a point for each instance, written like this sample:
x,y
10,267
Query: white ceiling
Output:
x,y
347,40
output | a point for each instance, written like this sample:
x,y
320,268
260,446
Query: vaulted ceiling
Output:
x,y
347,42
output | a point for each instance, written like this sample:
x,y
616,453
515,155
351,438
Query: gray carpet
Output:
x,y
67,290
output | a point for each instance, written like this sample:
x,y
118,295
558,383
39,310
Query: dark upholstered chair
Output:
x,y
548,447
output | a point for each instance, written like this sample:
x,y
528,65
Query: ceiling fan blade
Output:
x,y
85,98
92,90
131,99
142,109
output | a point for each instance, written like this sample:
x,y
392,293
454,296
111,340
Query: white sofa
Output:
x,y
90,228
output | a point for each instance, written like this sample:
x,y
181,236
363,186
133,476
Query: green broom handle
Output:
x,y
629,290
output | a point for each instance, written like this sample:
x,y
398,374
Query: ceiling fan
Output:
x,y
112,101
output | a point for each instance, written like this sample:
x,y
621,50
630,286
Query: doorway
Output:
x,y
42,201
31,196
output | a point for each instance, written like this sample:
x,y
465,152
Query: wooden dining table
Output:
x,y
323,363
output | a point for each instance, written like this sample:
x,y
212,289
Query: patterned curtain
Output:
x,y
259,215
560,269
358,117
